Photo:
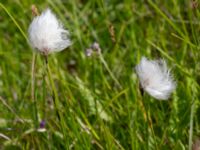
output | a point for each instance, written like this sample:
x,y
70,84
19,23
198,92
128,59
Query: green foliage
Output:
x,y
98,101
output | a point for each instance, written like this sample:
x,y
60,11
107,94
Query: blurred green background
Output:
x,y
99,96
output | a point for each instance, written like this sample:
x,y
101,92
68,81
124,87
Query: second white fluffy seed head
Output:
x,y
47,35
155,78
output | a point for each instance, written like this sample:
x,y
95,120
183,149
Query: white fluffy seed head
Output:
x,y
47,35
155,78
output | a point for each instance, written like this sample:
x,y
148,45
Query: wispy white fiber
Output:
x,y
155,78
47,35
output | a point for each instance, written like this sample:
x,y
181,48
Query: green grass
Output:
x,y
98,98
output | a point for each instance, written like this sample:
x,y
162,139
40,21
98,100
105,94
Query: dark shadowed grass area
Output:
x,y
99,100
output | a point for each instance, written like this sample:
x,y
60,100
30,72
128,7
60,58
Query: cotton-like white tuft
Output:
x,y
155,78
47,35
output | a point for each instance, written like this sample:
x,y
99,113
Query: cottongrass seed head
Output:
x,y
155,78
47,35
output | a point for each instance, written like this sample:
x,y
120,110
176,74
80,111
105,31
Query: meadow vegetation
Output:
x,y
100,103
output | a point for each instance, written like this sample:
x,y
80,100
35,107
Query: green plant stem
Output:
x,y
109,71
34,57
146,106
93,77
56,103
14,21
3,101
149,125
44,91
191,124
